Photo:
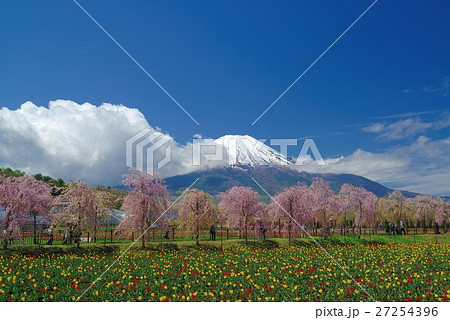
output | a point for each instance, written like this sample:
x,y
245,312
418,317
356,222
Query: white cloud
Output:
x,y
399,130
407,128
374,166
68,140
182,158
74,141
421,166
374,128
442,87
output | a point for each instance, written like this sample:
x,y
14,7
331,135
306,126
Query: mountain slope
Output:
x,y
248,151
273,179
250,158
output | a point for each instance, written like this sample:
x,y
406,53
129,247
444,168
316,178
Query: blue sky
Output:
x,y
227,61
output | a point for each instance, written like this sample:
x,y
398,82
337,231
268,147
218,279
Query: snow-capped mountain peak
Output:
x,y
244,150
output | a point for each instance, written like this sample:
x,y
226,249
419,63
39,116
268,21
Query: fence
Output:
x,y
109,234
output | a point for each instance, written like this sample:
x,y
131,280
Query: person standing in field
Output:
x,y
436,228
66,238
212,233
50,241
393,228
402,228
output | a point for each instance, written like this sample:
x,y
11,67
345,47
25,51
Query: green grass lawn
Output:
x,y
270,242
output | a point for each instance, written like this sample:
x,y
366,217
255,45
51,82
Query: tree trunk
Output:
x,y
289,233
221,234
34,229
245,230
325,225
279,228
197,235
4,233
5,239
143,240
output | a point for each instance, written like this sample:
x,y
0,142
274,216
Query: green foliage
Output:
x,y
8,172
54,182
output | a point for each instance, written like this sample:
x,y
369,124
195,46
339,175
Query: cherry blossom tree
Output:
x,y
13,218
410,207
393,210
443,213
363,203
104,203
342,209
145,203
322,203
289,208
24,198
425,208
196,210
398,205
240,204
76,208
36,200
383,210
262,220
273,218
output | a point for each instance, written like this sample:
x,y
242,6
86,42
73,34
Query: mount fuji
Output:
x,y
250,158
248,151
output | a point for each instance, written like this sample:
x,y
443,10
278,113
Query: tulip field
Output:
x,y
383,272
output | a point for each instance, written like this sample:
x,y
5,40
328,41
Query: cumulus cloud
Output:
x,y
182,157
68,140
80,141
